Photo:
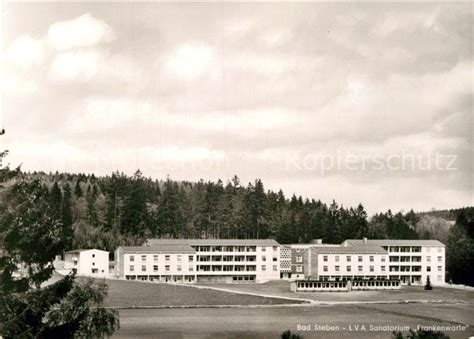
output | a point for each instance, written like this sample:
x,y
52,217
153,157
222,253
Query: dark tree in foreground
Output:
x,y
31,235
288,335
460,250
421,334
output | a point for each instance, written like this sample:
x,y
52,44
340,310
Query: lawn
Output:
x,y
132,294
270,322
282,289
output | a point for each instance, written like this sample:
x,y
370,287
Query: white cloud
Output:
x,y
16,85
108,113
26,51
74,65
190,60
276,37
84,31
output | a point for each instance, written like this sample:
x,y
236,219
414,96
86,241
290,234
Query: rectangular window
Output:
x,y
264,249
348,268
132,258
337,268
337,258
325,268
428,269
167,257
180,257
132,268
190,269
428,259
325,258
360,258
155,268
382,259
143,268
440,258
348,258
179,268
299,258
359,268
371,268
264,267
190,258
383,268
299,269
144,257
264,258
275,259
275,268
155,257
167,268
440,268
275,248
371,258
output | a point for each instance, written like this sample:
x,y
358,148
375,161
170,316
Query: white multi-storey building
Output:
x,y
87,262
232,260
411,261
160,263
190,260
340,263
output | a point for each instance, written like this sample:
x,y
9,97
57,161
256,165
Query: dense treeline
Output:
x,y
105,212
119,209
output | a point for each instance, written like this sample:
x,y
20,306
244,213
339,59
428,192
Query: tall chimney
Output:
x,y
364,240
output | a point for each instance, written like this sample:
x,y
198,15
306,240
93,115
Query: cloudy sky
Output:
x,y
368,104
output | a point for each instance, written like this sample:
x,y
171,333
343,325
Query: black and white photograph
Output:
x,y
236,169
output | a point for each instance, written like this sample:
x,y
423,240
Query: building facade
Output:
x,y
340,263
411,261
205,260
159,263
87,262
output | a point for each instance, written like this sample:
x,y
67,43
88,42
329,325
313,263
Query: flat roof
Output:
x,y
216,242
159,248
396,242
349,250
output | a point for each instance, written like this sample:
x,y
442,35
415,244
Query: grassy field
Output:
x,y
282,289
139,294
270,322
453,308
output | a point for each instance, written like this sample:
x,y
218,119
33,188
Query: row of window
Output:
x,y
415,249
144,257
360,258
232,248
179,268
239,268
349,268
205,258
412,268
412,259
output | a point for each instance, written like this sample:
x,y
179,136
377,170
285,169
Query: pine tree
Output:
x,y
55,198
135,216
67,217
78,189
32,235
